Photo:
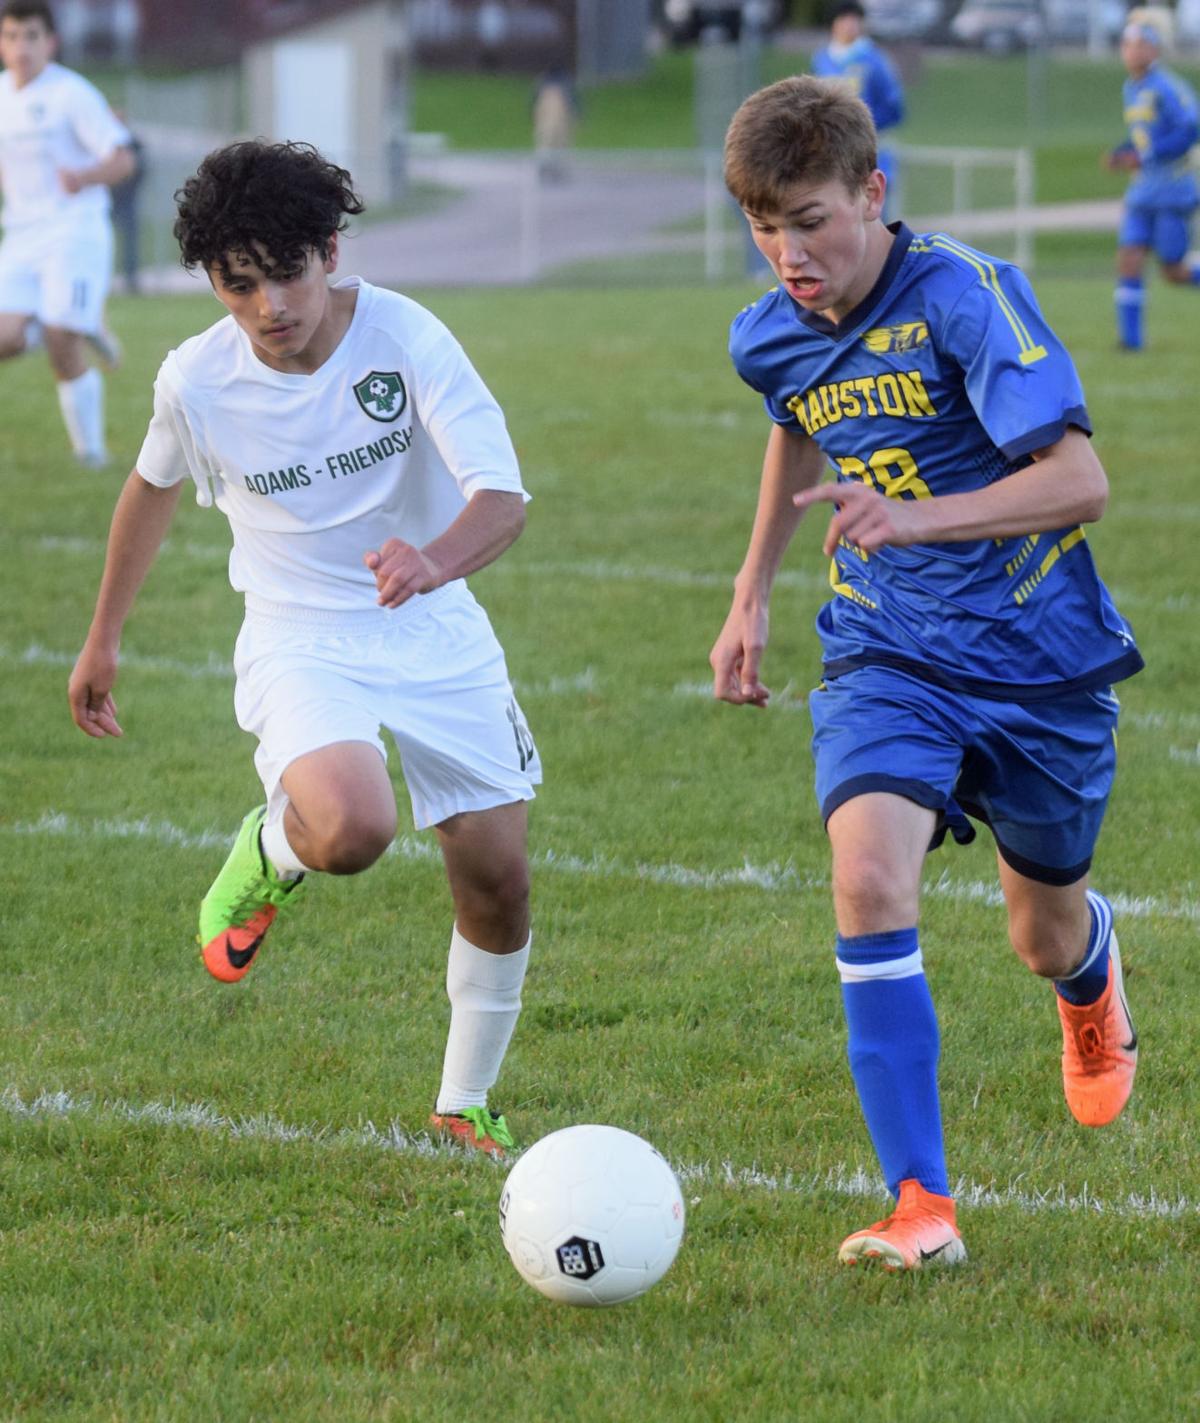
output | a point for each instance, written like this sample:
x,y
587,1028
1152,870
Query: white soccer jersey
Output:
x,y
58,120
389,438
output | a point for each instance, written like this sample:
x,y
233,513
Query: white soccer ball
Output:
x,y
591,1215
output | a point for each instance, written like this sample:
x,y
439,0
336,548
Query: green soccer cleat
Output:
x,y
477,1128
241,905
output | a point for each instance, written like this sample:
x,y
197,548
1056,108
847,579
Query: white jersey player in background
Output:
x,y
61,148
365,470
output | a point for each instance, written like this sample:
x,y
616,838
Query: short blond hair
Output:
x,y
1156,18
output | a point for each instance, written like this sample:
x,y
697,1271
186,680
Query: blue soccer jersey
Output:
x,y
945,379
865,67
1161,120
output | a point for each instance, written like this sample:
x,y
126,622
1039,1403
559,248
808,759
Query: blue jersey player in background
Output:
x,y
852,56
1162,126
969,648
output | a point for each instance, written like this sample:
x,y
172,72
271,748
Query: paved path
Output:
x,y
506,227
502,227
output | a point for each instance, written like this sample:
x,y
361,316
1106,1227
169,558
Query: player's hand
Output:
x,y
400,571
1123,159
72,180
863,516
90,694
737,655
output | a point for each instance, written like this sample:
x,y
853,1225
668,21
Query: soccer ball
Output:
x,y
591,1215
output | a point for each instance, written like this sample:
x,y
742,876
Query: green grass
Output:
x,y
1069,112
201,1266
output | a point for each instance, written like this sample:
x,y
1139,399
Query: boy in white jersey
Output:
x,y
365,470
61,148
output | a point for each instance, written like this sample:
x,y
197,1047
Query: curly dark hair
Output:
x,y
30,10
250,198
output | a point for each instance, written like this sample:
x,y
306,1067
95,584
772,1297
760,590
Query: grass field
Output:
x,y
217,1203
1066,108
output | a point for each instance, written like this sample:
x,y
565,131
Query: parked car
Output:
x,y
1003,26
894,20
687,21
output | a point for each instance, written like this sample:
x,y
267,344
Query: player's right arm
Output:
x,y
792,462
139,525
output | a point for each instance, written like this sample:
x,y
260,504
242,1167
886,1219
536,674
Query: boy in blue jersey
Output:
x,y
969,648
1162,123
852,56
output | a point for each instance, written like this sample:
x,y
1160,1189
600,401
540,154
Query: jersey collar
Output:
x,y
821,325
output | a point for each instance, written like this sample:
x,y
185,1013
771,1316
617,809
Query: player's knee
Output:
x,y
867,893
1045,948
12,343
348,841
496,893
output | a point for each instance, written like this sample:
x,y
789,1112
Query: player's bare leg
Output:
x,y
1064,932
488,868
14,334
341,810
339,817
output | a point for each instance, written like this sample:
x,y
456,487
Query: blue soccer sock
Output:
x,y
893,1050
1193,273
1130,298
1087,982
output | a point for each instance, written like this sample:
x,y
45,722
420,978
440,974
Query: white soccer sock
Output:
x,y
485,1002
82,404
278,848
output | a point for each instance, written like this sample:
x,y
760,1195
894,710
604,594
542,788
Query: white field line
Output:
x,y
35,655
841,1179
772,877
604,571
787,699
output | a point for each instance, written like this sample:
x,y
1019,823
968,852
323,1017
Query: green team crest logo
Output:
x,y
382,395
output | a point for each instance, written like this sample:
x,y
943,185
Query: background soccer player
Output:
x,y
969,647
61,147
365,470
850,54
1163,124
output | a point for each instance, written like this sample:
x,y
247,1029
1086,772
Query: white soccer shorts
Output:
x,y
62,278
430,672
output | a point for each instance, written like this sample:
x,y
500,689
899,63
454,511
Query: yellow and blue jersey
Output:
x,y
1162,126
945,379
869,72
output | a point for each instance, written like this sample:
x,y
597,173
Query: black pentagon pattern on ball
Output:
x,y
580,1258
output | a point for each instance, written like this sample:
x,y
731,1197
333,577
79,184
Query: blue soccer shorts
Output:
x,y
1037,773
1167,231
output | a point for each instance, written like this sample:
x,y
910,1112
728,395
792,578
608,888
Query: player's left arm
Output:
x,y
1175,128
491,522
114,168
1065,485
888,94
103,136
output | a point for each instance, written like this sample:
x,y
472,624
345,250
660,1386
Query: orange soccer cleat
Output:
x,y
475,1127
1099,1050
920,1231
